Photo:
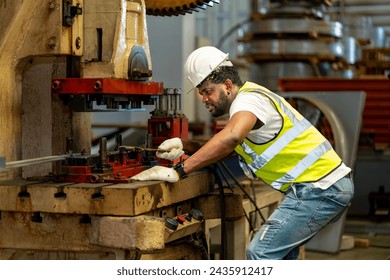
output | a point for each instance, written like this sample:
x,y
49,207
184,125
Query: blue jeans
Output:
x,y
300,216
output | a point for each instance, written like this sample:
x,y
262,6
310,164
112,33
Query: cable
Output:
x,y
214,169
201,242
223,213
230,32
252,186
231,188
243,189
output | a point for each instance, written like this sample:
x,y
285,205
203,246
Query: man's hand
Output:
x,y
173,148
159,173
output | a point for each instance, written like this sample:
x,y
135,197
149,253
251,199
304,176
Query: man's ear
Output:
x,y
229,85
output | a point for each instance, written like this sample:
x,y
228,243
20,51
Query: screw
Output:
x,y
56,85
69,21
52,5
97,85
78,43
53,42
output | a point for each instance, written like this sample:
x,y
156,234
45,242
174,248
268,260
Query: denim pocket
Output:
x,y
341,192
335,200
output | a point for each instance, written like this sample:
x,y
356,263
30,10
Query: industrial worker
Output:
x,y
275,144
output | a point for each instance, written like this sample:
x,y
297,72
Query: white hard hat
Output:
x,y
202,62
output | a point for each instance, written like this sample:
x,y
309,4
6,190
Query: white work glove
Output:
x,y
173,148
159,173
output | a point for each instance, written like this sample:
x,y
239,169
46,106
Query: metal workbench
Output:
x,y
56,220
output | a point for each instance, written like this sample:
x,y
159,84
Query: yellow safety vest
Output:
x,y
298,153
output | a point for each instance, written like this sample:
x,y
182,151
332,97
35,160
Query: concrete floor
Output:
x,y
377,234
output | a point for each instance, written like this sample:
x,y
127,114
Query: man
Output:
x,y
275,143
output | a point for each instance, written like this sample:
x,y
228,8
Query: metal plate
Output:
x,y
295,26
291,47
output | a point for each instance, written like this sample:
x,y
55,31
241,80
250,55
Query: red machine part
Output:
x,y
104,94
82,86
167,121
117,168
376,113
166,128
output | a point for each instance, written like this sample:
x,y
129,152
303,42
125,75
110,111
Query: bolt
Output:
x,y
78,43
178,210
97,85
56,85
52,5
69,21
53,42
163,213
94,178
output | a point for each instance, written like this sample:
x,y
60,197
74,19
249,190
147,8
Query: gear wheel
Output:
x,y
176,7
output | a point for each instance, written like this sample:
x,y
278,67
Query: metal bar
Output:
x,y
26,162
141,149
82,86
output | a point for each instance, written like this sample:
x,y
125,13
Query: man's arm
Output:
x,y
222,143
192,146
218,147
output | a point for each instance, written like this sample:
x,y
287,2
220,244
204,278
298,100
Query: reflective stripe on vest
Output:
x,y
287,135
302,165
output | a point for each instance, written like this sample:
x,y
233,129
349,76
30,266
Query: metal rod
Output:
x,y
103,150
25,162
141,149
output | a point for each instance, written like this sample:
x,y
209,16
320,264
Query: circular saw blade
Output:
x,y
176,7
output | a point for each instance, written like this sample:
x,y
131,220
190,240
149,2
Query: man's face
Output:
x,y
214,96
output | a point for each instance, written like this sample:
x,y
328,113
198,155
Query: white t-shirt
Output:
x,y
266,112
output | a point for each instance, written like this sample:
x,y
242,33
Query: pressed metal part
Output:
x,y
176,7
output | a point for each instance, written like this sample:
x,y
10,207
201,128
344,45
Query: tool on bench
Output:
x,y
140,149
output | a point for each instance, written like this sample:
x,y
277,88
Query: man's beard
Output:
x,y
222,105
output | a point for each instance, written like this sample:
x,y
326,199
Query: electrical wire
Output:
x,y
219,175
244,191
253,201
231,188
230,32
222,210
254,198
